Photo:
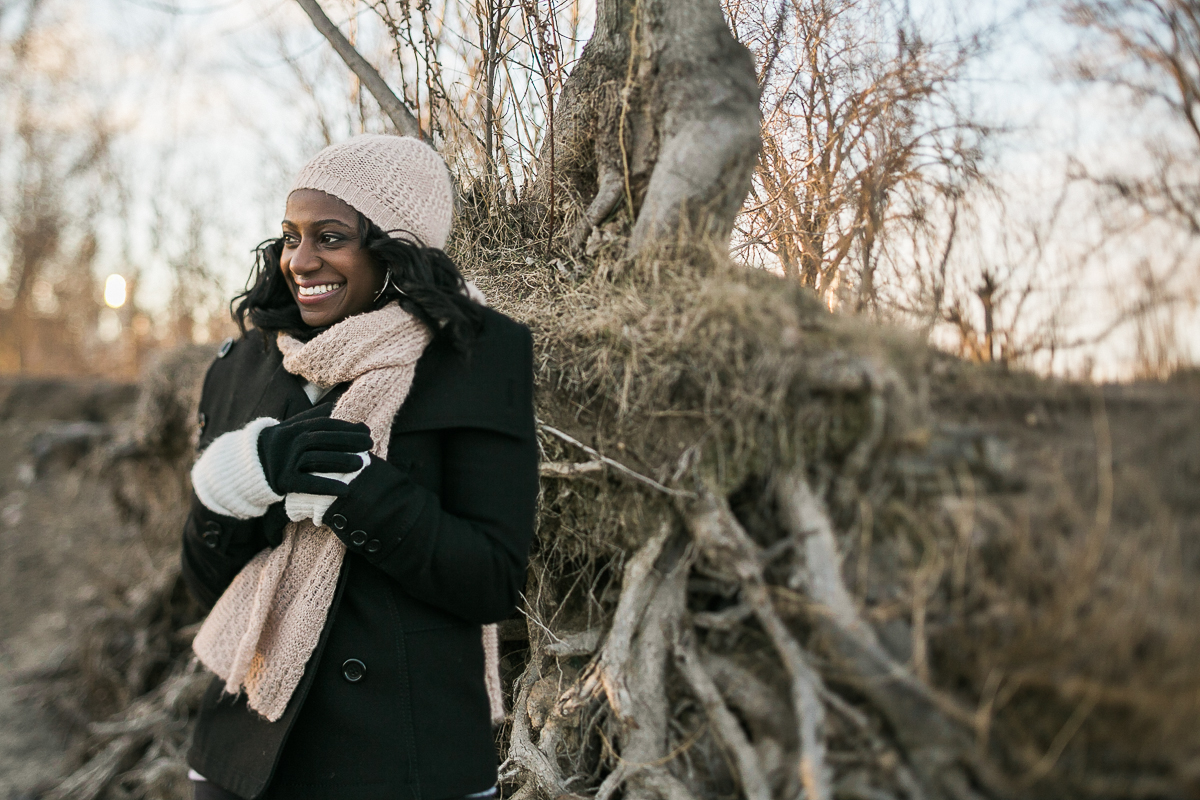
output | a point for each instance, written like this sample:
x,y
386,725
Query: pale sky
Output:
x,y
217,126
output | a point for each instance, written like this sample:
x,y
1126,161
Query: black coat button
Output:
x,y
338,522
226,346
212,534
358,538
353,670
373,546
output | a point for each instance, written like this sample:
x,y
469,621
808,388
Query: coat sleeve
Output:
x,y
216,547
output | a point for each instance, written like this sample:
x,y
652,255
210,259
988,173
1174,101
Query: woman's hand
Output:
x,y
312,442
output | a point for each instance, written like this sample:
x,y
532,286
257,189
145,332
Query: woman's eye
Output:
x,y
331,238
289,240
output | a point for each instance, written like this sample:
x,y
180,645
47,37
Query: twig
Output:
x,y
1071,727
617,465
679,750
568,469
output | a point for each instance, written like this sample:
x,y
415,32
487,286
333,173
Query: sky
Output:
x,y
216,125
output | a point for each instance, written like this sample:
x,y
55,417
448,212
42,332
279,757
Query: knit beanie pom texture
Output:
x,y
398,182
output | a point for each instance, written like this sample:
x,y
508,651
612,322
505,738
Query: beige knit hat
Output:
x,y
398,182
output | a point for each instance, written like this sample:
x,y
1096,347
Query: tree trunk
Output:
x,y
659,118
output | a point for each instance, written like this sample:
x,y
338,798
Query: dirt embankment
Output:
x,y
63,547
89,505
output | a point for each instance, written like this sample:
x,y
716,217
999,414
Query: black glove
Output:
x,y
312,442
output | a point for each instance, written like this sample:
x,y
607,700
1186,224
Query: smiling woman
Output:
x,y
364,500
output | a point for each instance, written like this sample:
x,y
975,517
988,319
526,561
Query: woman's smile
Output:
x,y
316,293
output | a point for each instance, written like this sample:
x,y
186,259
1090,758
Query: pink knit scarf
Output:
x,y
264,628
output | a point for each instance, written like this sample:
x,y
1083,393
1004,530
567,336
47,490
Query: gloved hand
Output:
x,y
312,442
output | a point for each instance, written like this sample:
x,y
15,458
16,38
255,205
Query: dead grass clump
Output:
x,y
1052,642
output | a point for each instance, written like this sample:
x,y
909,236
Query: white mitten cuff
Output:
x,y
300,505
229,478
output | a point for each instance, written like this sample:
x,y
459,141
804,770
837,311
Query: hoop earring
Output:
x,y
389,280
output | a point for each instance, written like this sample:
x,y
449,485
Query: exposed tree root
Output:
x,y
934,734
543,773
608,194
121,742
643,736
754,782
721,537
606,672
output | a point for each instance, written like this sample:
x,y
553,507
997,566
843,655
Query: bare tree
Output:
x,y
659,115
54,169
1151,49
863,145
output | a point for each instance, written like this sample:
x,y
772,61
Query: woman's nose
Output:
x,y
304,258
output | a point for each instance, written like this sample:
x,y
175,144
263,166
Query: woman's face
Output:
x,y
329,275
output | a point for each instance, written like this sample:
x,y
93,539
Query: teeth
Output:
x,y
324,288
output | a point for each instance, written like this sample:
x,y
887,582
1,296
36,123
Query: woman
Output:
x,y
364,500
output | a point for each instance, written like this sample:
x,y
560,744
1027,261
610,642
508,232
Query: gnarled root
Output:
x,y
606,672
644,739
754,782
933,732
544,777
723,540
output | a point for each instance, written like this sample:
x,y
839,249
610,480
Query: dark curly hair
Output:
x,y
424,281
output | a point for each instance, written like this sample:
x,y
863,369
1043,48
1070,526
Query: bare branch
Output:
x,y
617,465
392,105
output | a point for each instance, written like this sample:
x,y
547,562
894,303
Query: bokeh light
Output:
x,y
114,291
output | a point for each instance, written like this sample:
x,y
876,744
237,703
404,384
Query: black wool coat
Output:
x,y
392,703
